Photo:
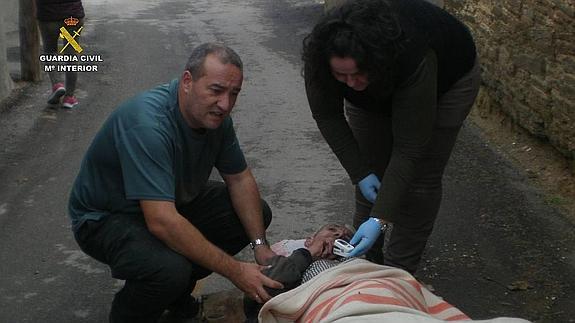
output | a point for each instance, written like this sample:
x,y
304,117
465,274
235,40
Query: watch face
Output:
x,y
258,242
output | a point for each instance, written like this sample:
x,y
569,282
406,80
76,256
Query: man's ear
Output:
x,y
308,242
187,81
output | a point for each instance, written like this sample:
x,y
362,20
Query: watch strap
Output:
x,y
381,223
258,242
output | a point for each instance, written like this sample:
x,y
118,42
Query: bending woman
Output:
x,y
389,83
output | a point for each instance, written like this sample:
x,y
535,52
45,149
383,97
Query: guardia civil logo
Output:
x,y
71,57
71,23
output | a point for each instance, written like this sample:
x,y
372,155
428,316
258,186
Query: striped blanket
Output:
x,y
361,291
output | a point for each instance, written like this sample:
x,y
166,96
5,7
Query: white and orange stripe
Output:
x,y
358,290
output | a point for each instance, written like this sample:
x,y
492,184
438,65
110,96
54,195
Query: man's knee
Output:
x,y
173,277
152,269
267,214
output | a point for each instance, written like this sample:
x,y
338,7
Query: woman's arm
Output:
x,y
413,118
326,104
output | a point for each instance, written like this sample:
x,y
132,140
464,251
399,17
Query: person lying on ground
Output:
x,y
319,286
357,290
294,257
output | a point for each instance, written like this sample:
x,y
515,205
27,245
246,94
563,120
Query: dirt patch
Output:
x,y
546,167
20,87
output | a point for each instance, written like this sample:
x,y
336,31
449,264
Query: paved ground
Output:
x,y
498,249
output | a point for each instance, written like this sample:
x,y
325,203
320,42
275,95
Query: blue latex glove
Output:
x,y
366,235
369,186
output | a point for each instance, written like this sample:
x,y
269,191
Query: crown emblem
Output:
x,y
71,21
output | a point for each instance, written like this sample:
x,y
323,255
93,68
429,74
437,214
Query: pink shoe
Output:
x,y
58,91
69,102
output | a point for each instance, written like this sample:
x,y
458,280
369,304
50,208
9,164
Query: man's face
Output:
x,y
207,101
333,231
321,244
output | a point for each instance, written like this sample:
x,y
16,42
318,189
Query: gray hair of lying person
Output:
x,y
347,230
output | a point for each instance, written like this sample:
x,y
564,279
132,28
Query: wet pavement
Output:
x,y
498,249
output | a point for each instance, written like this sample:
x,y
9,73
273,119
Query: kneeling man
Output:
x,y
142,202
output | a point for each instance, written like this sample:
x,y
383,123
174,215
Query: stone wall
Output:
x,y
10,13
527,50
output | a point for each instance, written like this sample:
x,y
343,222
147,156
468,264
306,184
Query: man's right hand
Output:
x,y
250,279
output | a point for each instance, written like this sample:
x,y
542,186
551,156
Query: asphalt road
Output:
x,y
498,250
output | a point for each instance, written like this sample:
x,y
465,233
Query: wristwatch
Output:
x,y
381,223
259,242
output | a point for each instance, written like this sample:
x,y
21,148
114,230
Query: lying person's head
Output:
x,y
288,269
320,245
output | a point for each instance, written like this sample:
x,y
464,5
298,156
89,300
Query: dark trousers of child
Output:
x,y
156,277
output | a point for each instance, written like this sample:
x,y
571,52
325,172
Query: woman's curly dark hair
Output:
x,y
366,30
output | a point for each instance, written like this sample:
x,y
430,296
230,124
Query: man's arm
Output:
x,y
164,222
289,270
247,204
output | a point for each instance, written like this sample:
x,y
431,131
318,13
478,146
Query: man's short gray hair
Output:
x,y
226,55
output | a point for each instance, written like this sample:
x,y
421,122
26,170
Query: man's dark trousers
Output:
x,y
156,276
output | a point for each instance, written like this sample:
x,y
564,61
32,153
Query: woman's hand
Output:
x,y
369,186
365,237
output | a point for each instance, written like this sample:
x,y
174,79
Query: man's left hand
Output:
x,y
263,254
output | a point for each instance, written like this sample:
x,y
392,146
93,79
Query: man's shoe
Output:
x,y
58,91
69,102
187,309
